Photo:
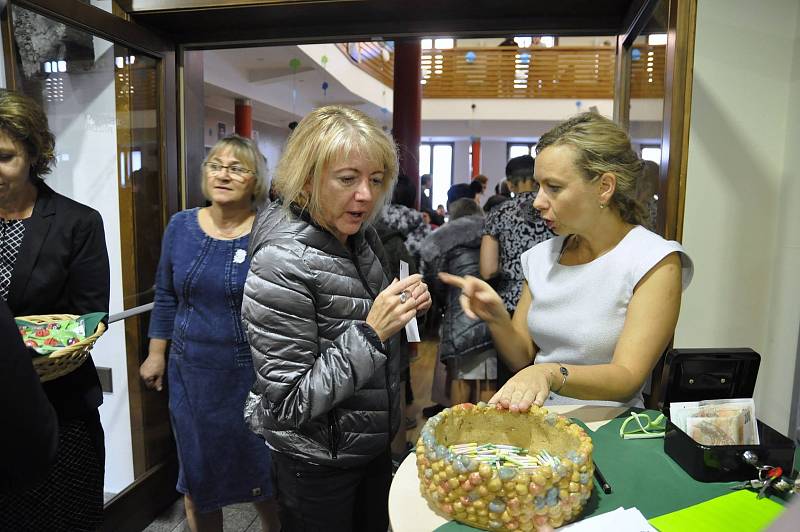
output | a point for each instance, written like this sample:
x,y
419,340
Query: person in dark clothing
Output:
x,y
30,439
397,224
463,190
465,345
425,193
512,228
53,260
493,202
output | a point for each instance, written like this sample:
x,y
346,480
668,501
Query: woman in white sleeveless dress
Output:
x,y
601,300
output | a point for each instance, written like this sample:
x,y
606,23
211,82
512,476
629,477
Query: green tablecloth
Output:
x,y
640,474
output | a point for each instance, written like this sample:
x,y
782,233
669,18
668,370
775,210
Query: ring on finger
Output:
x,y
404,296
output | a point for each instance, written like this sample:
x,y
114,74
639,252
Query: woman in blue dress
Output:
x,y
198,299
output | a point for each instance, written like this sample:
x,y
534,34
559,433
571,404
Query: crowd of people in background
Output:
x,y
280,320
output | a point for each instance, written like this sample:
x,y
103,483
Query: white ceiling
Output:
x,y
269,67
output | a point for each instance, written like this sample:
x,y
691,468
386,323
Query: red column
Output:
x,y
243,118
476,156
407,112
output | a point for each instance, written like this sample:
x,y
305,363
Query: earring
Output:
x,y
602,205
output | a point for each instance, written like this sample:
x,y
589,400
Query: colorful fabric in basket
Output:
x,y
48,337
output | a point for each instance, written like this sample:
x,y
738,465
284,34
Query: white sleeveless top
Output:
x,y
578,311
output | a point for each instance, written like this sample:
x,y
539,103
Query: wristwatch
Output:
x,y
564,374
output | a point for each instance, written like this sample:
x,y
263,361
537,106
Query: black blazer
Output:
x,y
30,429
62,268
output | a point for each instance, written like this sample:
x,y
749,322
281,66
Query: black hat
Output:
x,y
459,191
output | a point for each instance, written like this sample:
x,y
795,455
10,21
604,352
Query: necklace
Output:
x,y
223,235
230,233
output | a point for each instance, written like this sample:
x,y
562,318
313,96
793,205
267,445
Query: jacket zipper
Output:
x,y
333,433
386,376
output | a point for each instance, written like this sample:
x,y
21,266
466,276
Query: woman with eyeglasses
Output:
x,y
199,284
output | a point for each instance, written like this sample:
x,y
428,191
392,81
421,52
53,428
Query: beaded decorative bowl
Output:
x,y
499,470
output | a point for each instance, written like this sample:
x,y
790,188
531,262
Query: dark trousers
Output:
x,y
314,498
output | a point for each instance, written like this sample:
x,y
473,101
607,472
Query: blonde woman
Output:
x,y
201,274
323,319
601,299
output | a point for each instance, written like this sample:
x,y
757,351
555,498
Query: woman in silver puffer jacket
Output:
x,y
322,318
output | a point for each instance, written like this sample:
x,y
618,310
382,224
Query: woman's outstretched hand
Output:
x,y
478,299
397,304
530,386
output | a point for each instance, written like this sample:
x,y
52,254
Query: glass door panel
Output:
x,y
647,87
102,103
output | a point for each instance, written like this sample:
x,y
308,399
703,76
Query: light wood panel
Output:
x,y
510,72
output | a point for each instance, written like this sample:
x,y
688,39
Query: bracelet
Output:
x,y
564,374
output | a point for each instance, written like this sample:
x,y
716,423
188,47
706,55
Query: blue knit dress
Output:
x,y
197,306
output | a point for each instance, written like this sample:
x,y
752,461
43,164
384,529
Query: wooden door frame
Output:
x,y
154,486
677,113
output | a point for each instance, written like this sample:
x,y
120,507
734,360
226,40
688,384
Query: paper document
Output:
x,y
412,330
620,520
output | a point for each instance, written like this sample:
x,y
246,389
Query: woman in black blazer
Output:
x,y
53,260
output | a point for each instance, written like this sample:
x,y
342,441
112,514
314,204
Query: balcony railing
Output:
x,y
508,72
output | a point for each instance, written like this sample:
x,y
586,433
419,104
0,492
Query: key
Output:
x,y
772,475
750,484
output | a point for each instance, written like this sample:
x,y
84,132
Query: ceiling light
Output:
x,y
444,43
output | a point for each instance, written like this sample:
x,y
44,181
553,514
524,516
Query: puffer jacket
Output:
x,y
326,388
456,248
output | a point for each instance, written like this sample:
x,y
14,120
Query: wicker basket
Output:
x,y
67,359
508,497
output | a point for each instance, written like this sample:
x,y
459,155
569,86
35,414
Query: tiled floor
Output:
x,y
236,518
243,517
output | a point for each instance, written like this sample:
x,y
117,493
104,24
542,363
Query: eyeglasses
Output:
x,y
233,170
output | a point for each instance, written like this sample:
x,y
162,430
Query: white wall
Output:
x,y
642,109
493,163
270,138
352,77
741,225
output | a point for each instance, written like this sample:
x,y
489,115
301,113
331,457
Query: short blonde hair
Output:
x,y
325,136
246,150
602,146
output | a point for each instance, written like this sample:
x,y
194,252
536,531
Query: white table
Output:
x,y
408,509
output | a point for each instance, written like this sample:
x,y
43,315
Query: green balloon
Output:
x,y
294,63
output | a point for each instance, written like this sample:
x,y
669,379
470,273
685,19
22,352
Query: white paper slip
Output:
x,y
619,520
412,330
